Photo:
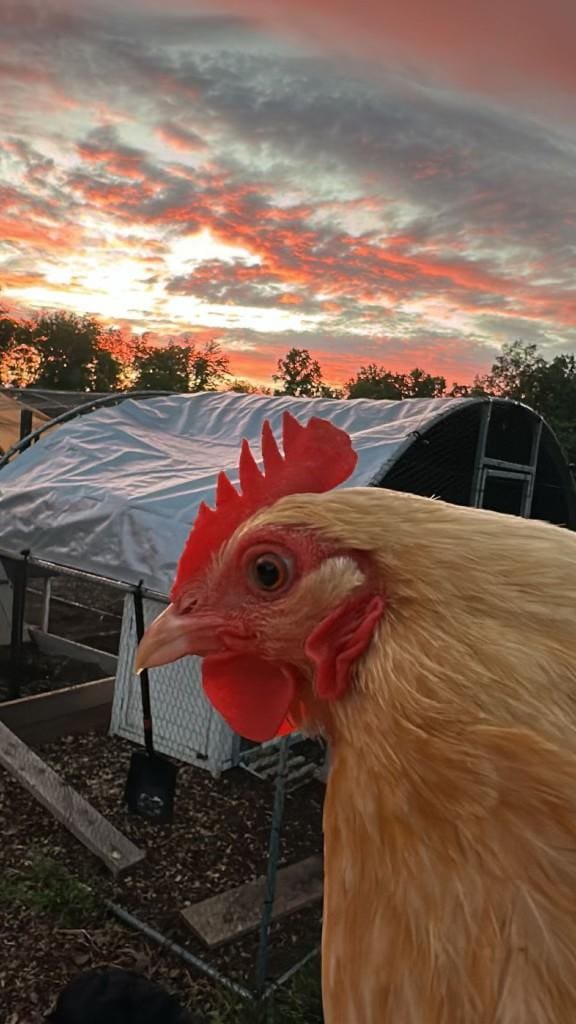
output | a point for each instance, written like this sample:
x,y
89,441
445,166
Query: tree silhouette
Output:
x,y
13,331
63,350
521,373
375,382
181,368
71,356
244,387
299,375
209,367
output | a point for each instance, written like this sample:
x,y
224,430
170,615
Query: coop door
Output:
x,y
510,493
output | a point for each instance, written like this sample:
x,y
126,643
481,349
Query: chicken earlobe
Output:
x,y
339,640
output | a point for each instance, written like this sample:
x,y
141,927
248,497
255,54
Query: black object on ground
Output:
x,y
151,782
110,995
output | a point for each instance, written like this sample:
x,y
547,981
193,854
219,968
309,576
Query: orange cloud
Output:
x,y
40,236
15,280
101,147
179,138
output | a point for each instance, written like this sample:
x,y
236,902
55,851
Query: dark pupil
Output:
x,y
267,572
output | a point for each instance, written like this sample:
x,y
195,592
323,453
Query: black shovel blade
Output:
x,y
150,787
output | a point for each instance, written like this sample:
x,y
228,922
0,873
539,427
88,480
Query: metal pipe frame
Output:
x,y
174,947
477,493
272,871
55,569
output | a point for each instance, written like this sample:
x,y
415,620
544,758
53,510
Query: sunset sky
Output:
x,y
385,181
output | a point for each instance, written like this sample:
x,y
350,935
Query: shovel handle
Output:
x,y
144,678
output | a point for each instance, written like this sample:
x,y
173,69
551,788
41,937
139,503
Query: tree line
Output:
x,y
70,352
520,373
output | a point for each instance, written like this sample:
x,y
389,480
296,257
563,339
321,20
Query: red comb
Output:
x,y
316,458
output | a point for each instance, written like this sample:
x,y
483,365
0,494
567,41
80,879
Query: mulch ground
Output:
x,y
219,839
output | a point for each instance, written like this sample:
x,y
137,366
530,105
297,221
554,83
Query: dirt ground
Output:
x,y
51,926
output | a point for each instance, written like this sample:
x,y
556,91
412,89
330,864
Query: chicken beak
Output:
x,y
175,635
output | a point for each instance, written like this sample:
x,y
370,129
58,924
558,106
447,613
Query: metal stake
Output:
x,y
174,947
273,853
19,585
46,603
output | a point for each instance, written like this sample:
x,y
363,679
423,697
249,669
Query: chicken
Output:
x,y
110,995
435,647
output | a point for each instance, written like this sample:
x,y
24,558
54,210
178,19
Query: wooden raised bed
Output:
x,y
46,717
67,712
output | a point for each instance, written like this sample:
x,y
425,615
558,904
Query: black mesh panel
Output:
x,y
440,463
550,500
504,494
510,434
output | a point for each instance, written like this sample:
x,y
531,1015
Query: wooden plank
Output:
x,y
234,913
44,707
93,830
61,646
71,711
38,734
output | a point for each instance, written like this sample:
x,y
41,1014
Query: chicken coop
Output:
x,y
110,495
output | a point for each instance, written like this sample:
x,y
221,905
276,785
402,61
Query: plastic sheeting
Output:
x,y
116,491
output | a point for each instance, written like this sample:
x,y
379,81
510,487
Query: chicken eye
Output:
x,y
270,572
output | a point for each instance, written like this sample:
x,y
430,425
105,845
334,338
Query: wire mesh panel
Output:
x,y
440,462
185,724
554,495
498,456
511,433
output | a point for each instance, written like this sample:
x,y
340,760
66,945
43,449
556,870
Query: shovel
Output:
x,y
151,781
